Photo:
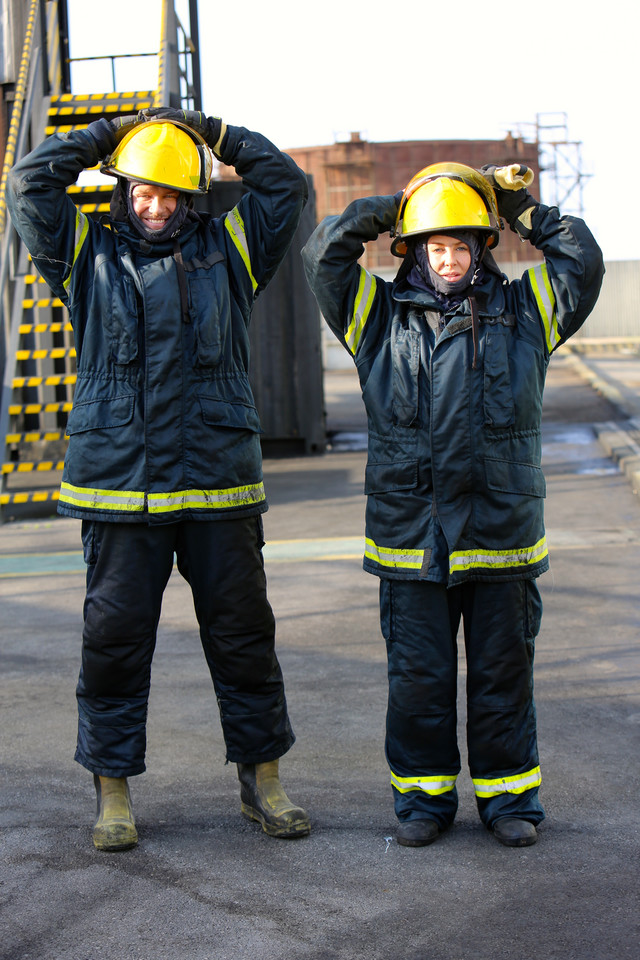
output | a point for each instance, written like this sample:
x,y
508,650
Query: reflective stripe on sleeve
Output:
x,y
82,228
517,784
361,309
235,228
498,559
434,786
546,302
397,557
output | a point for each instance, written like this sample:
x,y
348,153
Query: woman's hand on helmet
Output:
x,y
209,128
515,203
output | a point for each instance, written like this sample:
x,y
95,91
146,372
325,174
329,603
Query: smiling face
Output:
x,y
449,258
154,205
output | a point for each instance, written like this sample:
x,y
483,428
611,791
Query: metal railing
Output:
x,y
112,57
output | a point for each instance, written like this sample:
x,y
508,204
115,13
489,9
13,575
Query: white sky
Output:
x,y
306,74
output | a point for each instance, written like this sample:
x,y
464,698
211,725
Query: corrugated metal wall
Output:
x,y
617,312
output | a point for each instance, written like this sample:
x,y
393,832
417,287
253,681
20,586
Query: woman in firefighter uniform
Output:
x,y
452,360
164,452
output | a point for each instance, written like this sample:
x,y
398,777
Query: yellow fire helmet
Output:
x,y
446,196
164,153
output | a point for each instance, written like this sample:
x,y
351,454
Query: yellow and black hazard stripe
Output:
x,y
56,353
54,380
28,466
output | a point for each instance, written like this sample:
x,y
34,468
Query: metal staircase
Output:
x,y
37,352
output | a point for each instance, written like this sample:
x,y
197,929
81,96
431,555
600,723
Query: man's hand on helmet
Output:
x,y
515,203
122,125
109,133
211,129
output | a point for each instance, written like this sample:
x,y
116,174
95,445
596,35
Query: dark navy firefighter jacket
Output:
x,y
164,425
454,483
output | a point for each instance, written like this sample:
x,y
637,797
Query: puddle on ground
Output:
x,y
575,450
347,442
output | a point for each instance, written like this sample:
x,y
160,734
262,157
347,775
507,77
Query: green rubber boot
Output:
x,y
115,828
263,799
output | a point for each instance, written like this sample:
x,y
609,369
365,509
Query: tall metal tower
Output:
x,y
562,177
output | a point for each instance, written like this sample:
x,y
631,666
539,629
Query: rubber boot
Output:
x,y
263,799
115,828
513,832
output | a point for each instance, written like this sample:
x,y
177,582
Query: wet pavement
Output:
x,y
204,883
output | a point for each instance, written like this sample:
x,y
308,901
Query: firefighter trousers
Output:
x,y
129,565
420,623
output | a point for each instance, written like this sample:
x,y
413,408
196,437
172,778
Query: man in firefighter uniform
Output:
x,y
452,362
164,453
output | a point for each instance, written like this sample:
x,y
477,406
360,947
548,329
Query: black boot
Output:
x,y
513,832
263,799
417,833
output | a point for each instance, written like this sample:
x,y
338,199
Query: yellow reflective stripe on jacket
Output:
x,y
135,500
82,227
206,499
235,228
431,785
398,557
517,784
361,309
541,286
498,559
128,500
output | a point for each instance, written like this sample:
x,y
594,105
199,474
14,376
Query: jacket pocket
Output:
x,y
499,410
205,315
223,413
124,319
208,305
390,476
405,352
509,476
100,414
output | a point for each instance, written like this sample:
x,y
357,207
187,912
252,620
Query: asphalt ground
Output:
x,y
206,884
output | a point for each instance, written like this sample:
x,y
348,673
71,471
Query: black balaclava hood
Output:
x,y
173,224
422,276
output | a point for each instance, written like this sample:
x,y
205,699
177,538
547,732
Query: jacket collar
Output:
x,y
489,296
127,232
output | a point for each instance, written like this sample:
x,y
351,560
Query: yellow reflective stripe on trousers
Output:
x,y
517,784
133,501
206,499
235,228
361,309
498,559
431,785
396,557
82,228
541,286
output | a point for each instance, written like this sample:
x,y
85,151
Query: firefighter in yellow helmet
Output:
x,y
164,454
452,361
